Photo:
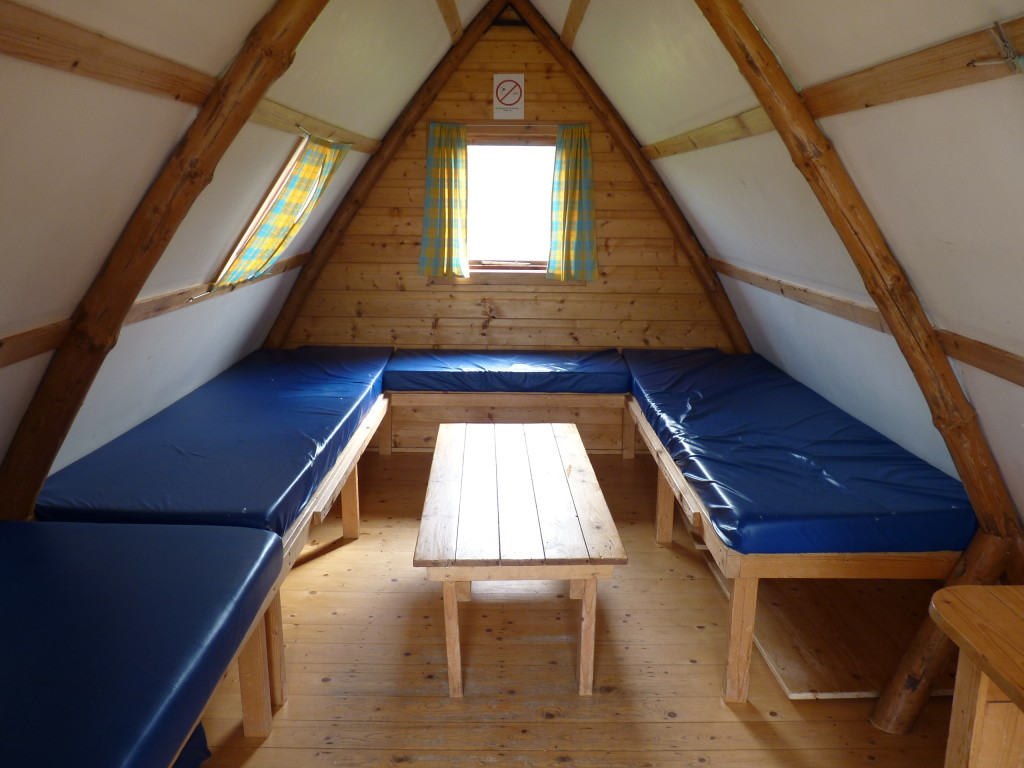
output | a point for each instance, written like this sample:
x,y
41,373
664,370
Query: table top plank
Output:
x,y
436,541
987,622
521,542
478,540
560,528
603,542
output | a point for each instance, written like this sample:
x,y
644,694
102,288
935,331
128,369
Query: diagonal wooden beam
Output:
x,y
627,143
97,321
895,298
573,19
34,36
941,67
361,187
450,14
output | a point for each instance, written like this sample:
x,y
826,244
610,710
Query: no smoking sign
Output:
x,y
508,97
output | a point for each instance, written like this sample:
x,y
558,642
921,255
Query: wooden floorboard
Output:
x,y
368,683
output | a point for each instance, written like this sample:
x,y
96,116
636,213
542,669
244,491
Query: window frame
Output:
x,y
509,136
264,208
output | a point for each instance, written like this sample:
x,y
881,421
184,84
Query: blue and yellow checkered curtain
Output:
x,y
311,173
443,252
573,254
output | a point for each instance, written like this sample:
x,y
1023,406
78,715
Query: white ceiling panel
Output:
x,y
223,210
201,34
998,403
818,41
662,66
18,383
362,62
555,11
941,174
846,363
79,154
468,9
162,359
752,207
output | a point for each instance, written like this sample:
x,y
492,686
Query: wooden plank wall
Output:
x,y
371,293
646,295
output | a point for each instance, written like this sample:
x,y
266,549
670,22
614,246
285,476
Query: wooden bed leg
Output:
x,y
628,435
664,512
254,682
350,505
906,694
275,651
742,609
384,434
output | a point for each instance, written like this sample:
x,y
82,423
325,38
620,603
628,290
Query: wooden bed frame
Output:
x,y
602,419
740,574
261,659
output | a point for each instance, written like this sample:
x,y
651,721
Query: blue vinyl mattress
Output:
x,y
248,448
116,635
548,371
782,470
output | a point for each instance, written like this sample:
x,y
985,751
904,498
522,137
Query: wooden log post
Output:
x,y
890,288
983,562
97,321
630,147
354,199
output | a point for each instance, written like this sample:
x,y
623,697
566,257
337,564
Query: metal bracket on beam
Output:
x,y
1009,57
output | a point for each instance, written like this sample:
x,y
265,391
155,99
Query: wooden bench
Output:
x,y
430,387
272,443
987,725
115,636
509,502
737,451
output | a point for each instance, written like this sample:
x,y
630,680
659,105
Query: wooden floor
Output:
x,y
367,677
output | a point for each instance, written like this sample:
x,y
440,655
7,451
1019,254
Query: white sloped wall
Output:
x,y
938,172
101,147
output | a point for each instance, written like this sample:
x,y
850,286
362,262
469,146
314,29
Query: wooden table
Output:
x,y
515,501
987,725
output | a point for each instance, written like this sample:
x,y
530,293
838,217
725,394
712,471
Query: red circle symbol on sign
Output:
x,y
509,93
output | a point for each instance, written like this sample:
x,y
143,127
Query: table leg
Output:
x,y
450,591
588,632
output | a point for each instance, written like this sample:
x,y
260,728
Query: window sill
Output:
x,y
503,277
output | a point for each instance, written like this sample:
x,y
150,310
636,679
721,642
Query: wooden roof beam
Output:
x,y
573,20
627,143
450,14
375,166
937,68
97,321
888,285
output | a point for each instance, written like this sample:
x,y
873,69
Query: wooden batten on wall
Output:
x,y
646,294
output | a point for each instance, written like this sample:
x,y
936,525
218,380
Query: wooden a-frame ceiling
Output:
x,y
238,96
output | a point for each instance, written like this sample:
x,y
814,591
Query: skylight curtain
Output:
x,y
573,254
289,211
444,251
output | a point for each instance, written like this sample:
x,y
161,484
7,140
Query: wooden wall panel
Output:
x,y
371,293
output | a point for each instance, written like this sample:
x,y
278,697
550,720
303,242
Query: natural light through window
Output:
x,y
509,208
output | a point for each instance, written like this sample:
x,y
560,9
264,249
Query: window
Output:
x,y
287,206
564,188
509,206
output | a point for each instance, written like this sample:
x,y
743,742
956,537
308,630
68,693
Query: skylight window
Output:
x,y
509,206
